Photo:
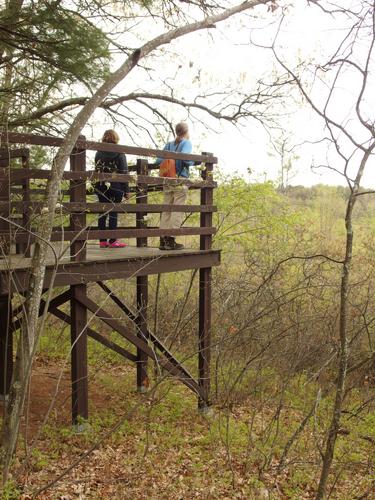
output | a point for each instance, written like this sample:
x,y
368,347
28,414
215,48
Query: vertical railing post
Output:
x,y
6,346
142,283
78,194
141,198
78,311
26,199
204,338
5,201
25,247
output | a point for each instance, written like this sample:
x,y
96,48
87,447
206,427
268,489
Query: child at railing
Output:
x,y
110,192
176,195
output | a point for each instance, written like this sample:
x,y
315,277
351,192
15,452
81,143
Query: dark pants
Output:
x,y
108,195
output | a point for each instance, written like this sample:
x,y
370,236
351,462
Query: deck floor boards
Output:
x,y
102,263
95,254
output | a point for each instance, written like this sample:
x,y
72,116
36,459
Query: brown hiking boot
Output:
x,y
163,243
169,243
173,245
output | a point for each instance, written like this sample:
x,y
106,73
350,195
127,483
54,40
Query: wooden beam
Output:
x,y
55,302
19,138
59,235
142,345
133,316
142,332
95,336
112,267
6,153
106,207
53,308
204,334
5,228
204,337
78,312
17,176
142,283
6,346
25,247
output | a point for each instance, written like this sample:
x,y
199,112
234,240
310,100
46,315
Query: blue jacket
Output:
x,y
182,166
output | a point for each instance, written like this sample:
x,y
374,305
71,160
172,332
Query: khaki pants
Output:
x,y
173,195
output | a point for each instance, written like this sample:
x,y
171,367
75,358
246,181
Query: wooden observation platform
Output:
x,y
75,259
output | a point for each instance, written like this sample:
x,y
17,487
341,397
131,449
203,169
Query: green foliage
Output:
x,y
254,217
41,157
61,39
52,49
230,432
40,459
298,482
10,491
55,342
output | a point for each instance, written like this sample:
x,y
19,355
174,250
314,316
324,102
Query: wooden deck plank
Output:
x,y
103,264
94,253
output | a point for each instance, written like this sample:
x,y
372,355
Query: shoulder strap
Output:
x,y
178,145
177,151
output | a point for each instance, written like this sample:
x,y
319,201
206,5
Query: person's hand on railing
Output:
x,y
126,197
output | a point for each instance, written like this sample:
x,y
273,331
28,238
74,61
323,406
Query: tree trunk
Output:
x,y
343,354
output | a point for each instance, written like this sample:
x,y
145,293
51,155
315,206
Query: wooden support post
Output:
x,y
4,197
78,311
79,354
204,339
142,284
141,197
6,346
24,247
141,322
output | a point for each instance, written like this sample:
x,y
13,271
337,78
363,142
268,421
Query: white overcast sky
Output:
x,y
224,57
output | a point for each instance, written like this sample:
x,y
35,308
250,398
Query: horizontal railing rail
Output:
x,y
97,208
23,190
81,144
128,232
18,175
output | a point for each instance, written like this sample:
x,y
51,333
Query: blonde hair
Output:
x,y
182,131
111,136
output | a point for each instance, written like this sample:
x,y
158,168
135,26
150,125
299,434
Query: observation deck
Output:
x,y
75,260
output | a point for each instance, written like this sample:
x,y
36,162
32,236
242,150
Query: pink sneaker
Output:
x,y
103,244
117,244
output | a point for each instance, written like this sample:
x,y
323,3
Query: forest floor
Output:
x,y
157,445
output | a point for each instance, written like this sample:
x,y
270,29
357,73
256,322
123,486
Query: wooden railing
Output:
x,y
22,196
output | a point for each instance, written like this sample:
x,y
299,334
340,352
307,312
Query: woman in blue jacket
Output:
x,y
176,195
